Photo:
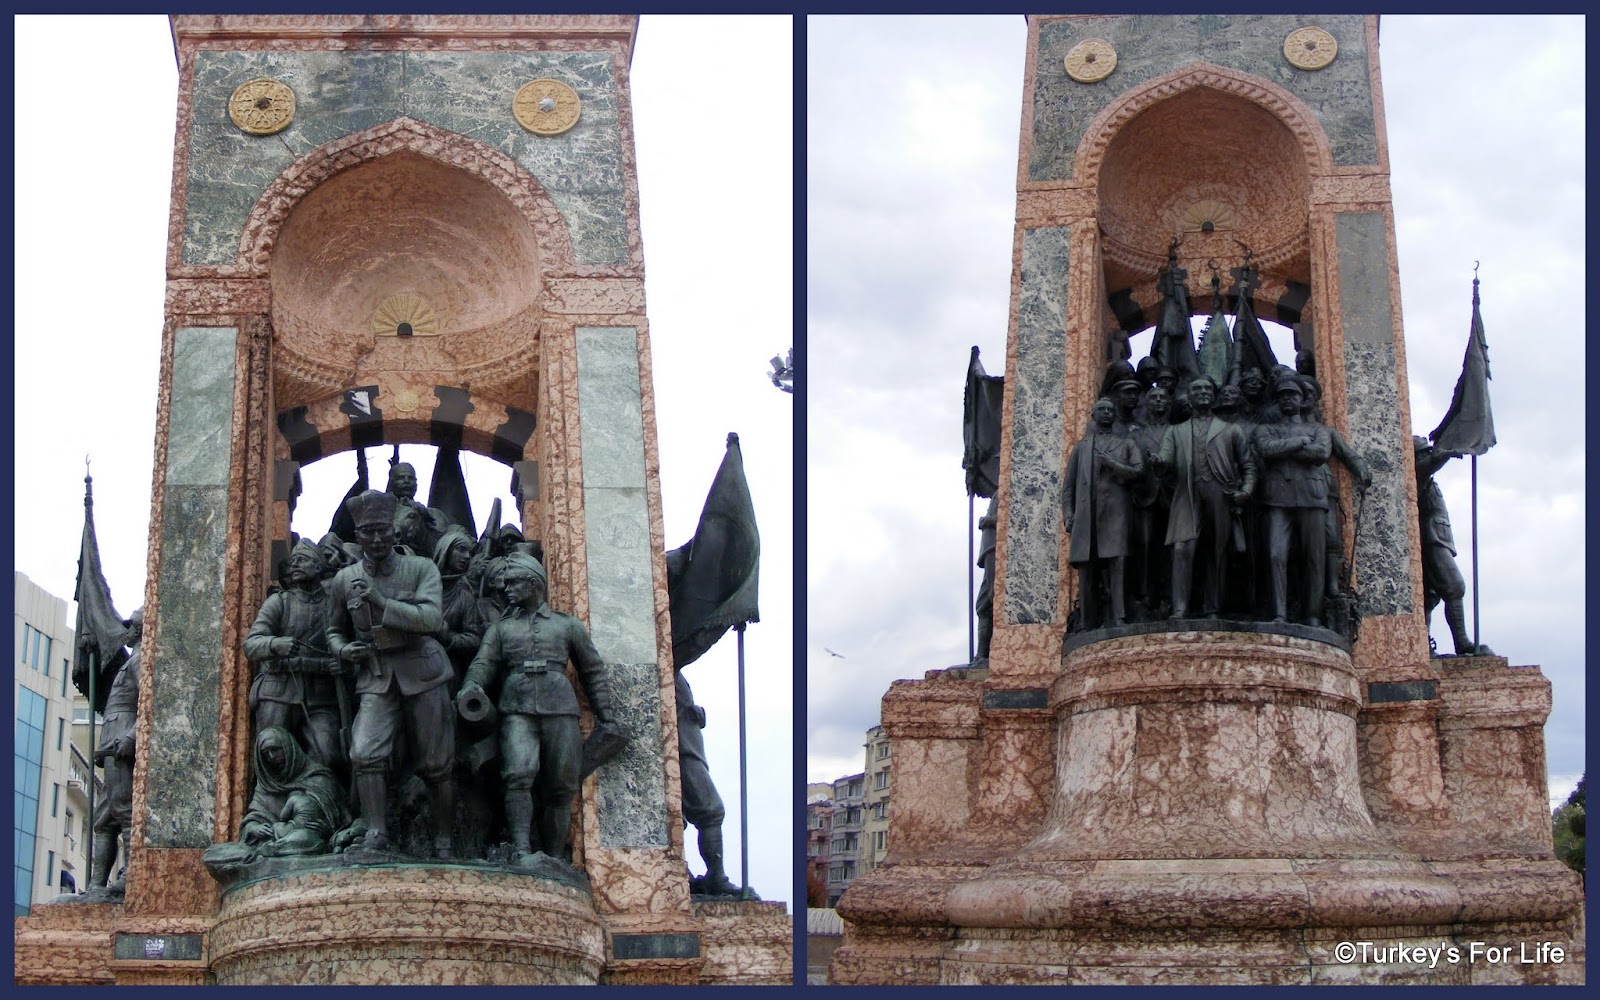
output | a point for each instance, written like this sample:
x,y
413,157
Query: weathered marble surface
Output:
x,y
469,93
1036,376
1154,44
632,796
182,672
1372,392
410,924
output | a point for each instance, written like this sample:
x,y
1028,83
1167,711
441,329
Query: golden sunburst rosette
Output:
x,y
404,315
262,106
546,107
1221,216
1310,48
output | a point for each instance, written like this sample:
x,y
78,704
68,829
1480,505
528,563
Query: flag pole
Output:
x,y
1475,635
88,848
972,598
744,798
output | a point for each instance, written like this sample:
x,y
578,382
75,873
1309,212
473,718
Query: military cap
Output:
x,y
372,507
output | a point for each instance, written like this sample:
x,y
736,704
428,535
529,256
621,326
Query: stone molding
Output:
x,y
265,225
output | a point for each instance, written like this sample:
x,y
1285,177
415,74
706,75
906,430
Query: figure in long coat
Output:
x,y
1095,497
1215,471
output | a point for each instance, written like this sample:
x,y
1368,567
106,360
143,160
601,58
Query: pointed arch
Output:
x,y
272,209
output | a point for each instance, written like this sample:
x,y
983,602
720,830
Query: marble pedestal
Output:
x,y
1207,823
407,924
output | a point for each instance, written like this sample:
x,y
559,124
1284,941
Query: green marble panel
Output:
x,y
632,794
180,791
469,93
1152,45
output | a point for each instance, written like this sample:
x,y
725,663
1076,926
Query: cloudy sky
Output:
x,y
95,116
911,187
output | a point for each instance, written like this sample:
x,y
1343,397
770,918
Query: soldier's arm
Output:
x,y
1349,456
341,630
1130,466
1247,462
422,612
481,672
1431,460
591,669
1069,488
1320,448
268,626
1273,444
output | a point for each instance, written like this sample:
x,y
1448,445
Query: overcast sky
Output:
x,y
911,187
95,120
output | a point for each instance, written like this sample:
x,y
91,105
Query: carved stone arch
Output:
x,y
1292,111
1205,141
265,224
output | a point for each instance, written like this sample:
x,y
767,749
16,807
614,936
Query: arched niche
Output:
x,y
1205,145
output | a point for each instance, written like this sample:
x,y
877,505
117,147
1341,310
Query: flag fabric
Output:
x,y
1173,344
448,490
1216,347
980,428
712,580
1468,426
1251,347
344,525
99,629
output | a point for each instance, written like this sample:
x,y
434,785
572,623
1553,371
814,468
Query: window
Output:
x,y
851,843
883,750
66,669
881,779
880,810
44,663
880,840
50,868
55,798
61,732
29,755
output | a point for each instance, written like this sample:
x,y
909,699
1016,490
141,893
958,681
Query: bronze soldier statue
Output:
x,y
1095,501
540,744
702,806
113,811
1152,502
383,613
1441,577
984,604
296,683
1295,495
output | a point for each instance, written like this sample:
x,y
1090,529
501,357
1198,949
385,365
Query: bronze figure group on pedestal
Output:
x,y
1186,499
388,683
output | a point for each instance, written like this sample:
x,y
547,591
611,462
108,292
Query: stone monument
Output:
x,y
386,230
1225,798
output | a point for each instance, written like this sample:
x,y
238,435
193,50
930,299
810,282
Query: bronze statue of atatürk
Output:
x,y
1295,495
1214,470
383,614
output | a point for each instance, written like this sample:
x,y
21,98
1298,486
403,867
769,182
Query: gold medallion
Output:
x,y
406,400
1309,48
1091,60
546,107
262,106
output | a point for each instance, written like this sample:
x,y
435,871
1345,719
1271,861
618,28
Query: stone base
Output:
x,y
65,944
411,924
745,943
1235,922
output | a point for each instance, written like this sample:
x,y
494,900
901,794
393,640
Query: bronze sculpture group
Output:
x,y
379,668
1186,499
